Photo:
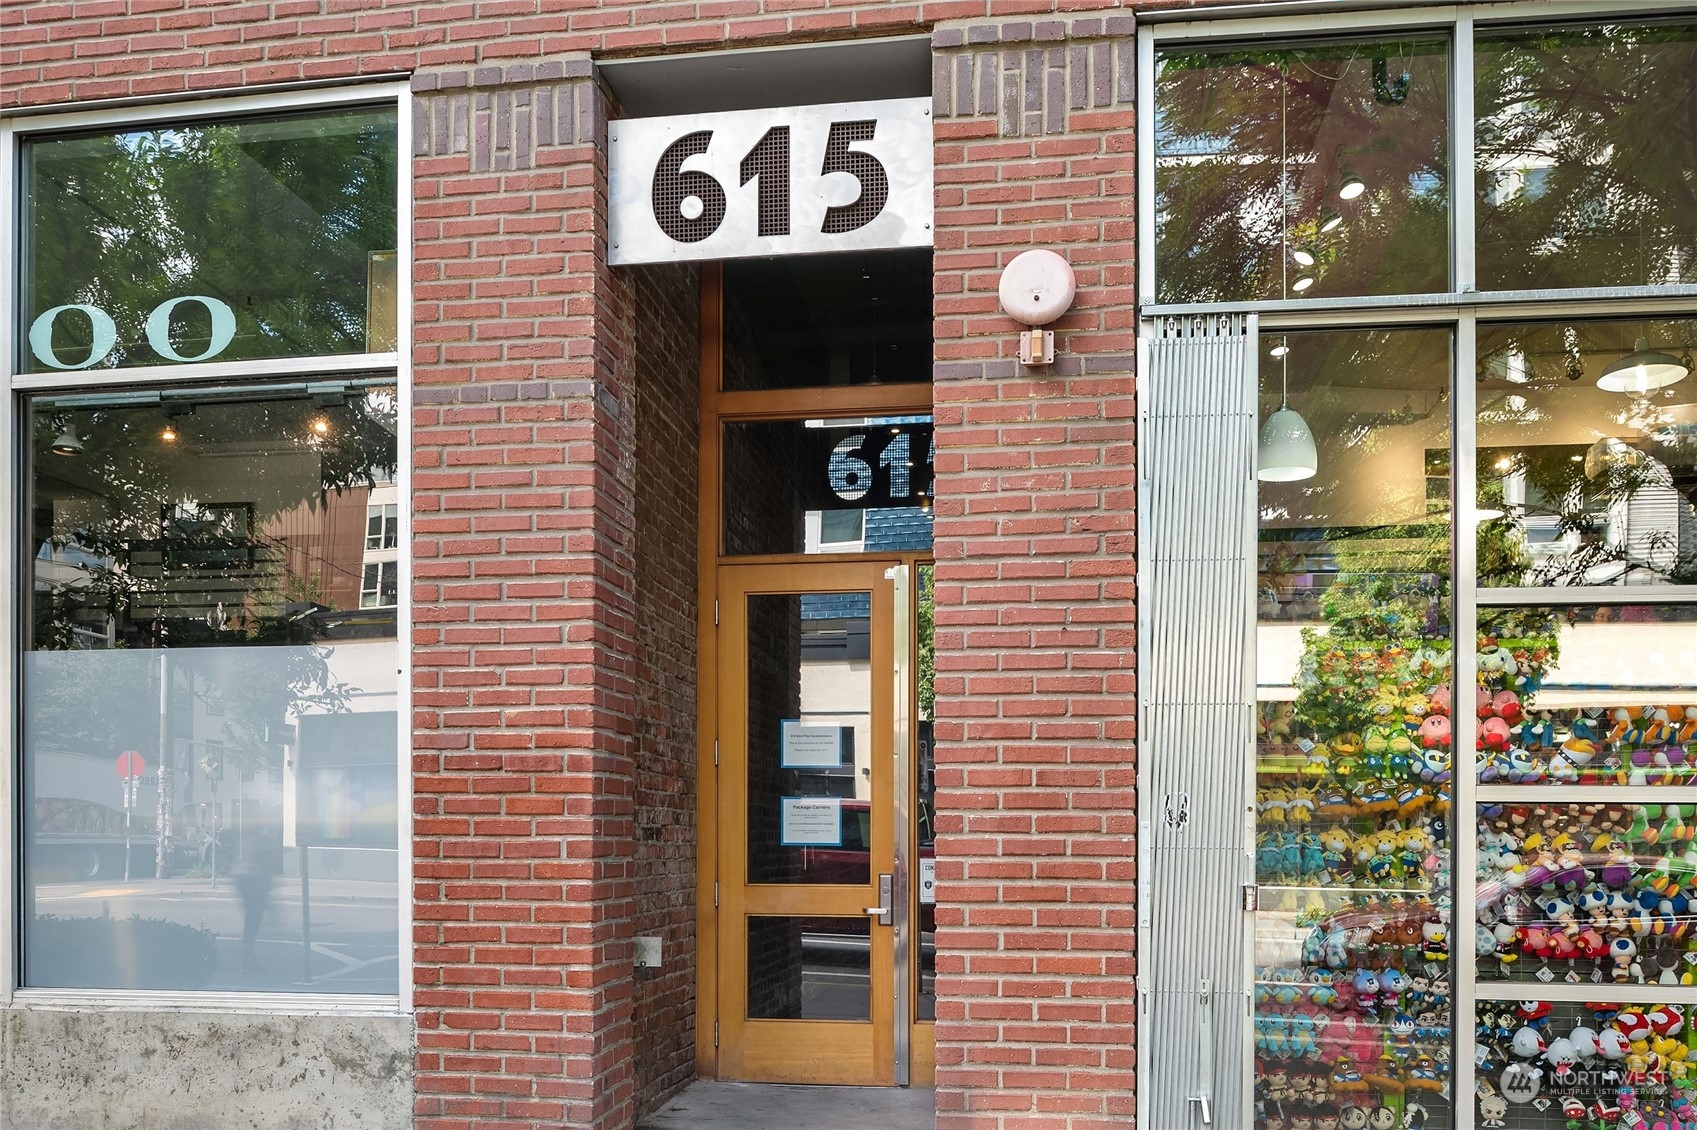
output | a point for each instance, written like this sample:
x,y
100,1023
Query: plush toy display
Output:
x,y
1592,1066
1352,1015
1352,834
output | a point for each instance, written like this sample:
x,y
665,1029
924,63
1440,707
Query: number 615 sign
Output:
x,y
851,176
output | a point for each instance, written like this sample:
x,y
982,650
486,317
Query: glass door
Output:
x,y
810,903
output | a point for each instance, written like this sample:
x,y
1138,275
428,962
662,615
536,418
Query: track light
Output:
x,y
1351,187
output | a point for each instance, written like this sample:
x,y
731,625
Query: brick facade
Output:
x,y
667,395
553,647
1034,529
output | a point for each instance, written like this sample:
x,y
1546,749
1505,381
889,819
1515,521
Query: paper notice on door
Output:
x,y
928,881
811,821
811,747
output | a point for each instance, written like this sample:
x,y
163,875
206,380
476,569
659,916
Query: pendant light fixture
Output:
x,y
68,443
1643,369
1351,187
1286,452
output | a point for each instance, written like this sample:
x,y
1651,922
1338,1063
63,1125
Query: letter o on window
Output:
x,y
158,328
105,336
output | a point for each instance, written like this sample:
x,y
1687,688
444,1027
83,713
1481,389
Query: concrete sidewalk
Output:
x,y
707,1105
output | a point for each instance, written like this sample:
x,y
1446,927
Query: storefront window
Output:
x,y
210,241
1588,696
209,726
1583,148
1587,453
1584,893
1548,987
1302,171
1353,763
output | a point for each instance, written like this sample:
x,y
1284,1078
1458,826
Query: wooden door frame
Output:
x,y
717,407
868,1047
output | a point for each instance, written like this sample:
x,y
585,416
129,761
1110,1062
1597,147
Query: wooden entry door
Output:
x,y
811,905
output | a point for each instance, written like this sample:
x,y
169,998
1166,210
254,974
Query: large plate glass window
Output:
x,y
1302,170
213,240
1543,766
209,729
1353,767
1587,464
1584,142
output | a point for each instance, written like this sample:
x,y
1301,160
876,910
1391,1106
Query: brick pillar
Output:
x,y
523,652
1035,571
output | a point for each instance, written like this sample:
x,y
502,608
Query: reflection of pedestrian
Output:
x,y
255,873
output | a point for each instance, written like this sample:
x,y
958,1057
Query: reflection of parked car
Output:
x,y
851,863
79,837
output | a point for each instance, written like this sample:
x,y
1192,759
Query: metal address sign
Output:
x,y
852,176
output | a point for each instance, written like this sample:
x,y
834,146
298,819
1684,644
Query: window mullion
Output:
x,y
1462,193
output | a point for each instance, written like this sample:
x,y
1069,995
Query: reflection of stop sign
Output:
x,y
130,764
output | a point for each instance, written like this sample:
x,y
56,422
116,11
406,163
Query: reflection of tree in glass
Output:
x,y
1585,145
274,217
1606,483
1222,131
927,643
1578,510
145,580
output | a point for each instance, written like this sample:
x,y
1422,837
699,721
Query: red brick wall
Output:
x,y
62,51
1035,630
524,653
666,321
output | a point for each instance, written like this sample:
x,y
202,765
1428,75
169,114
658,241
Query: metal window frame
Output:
x,y
14,130
1462,310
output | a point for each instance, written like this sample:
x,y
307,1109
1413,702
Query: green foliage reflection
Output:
x,y
275,217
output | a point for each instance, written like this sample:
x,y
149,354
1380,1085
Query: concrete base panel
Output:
x,y
124,1070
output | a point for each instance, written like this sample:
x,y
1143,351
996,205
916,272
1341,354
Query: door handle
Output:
x,y
1204,1096
886,884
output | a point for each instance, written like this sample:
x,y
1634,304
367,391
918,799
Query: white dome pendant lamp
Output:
x,y
1286,452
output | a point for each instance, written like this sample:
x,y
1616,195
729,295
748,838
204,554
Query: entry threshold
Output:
x,y
709,1105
